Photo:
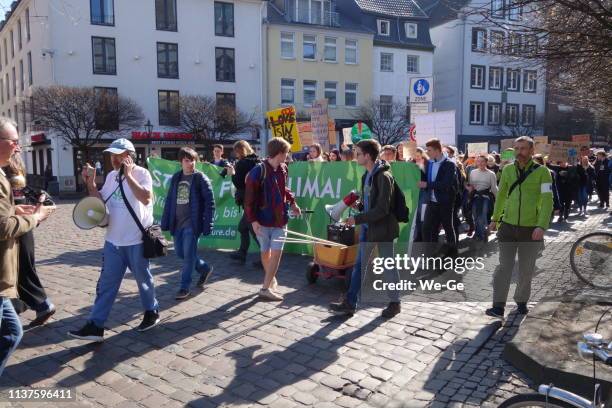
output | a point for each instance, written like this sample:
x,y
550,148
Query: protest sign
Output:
x,y
540,139
439,125
507,144
507,156
283,124
476,149
306,136
582,139
562,151
543,149
319,121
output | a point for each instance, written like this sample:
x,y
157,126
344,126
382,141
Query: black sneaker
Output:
x,y
89,332
342,309
150,320
392,310
204,275
41,318
182,294
521,308
495,312
238,256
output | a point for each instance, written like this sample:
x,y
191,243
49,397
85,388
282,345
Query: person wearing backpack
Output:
x,y
379,226
521,215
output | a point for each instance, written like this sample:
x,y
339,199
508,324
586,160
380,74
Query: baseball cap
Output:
x,y
120,145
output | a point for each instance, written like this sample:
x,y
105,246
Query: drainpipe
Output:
x,y
463,19
264,136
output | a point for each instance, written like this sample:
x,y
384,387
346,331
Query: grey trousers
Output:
x,y
512,240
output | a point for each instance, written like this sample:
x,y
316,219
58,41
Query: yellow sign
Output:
x,y
283,124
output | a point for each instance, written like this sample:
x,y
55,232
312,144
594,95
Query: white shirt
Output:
x,y
122,229
484,180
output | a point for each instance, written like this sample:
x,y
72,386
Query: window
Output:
x,y
12,44
169,114
1,91
386,62
34,169
23,115
165,15
225,62
224,19
288,45
107,108
412,64
511,114
530,81
8,88
19,36
496,79
226,108
497,8
350,51
30,69
330,93
102,12
104,57
17,117
476,113
310,47
5,53
350,94
386,107
479,40
411,30
515,12
310,92
27,14
384,27
477,77
167,60
494,113
329,52
21,75
529,115
312,12
287,91
513,80
497,42
14,81
515,40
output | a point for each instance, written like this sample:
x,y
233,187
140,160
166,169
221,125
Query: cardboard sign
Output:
x,y
543,149
346,136
319,121
476,149
283,124
507,144
306,135
562,151
440,125
540,139
409,149
584,139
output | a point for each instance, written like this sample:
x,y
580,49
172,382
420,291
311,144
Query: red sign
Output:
x,y
38,138
161,136
412,133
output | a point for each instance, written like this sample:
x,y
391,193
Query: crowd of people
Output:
x,y
517,198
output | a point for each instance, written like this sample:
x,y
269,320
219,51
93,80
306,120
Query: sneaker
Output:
x,y
182,294
274,284
238,256
268,294
521,308
42,317
495,312
342,309
150,320
89,332
470,232
391,310
204,275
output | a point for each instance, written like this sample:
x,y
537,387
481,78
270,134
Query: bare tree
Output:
x,y
211,121
388,122
519,128
82,116
569,39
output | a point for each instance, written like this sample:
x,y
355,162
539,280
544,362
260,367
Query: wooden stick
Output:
x,y
319,240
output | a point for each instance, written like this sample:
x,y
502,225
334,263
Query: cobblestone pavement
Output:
x,y
222,347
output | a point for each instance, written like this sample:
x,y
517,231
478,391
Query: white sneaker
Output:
x,y
274,284
267,294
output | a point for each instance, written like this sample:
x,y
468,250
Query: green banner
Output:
x,y
314,186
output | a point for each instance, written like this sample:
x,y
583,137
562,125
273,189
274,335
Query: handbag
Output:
x,y
154,242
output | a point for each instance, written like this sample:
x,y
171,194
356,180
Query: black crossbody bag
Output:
x,y
154,242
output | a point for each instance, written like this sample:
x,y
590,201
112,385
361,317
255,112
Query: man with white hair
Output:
x,y
123,246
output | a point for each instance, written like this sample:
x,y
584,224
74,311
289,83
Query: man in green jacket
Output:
x,y
522,212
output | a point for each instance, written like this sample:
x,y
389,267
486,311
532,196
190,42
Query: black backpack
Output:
x,y
400,210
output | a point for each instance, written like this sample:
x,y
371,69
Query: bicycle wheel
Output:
x,y
591,259
533,400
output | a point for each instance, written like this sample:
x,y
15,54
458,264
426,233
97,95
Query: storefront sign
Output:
x,y
161,136
38,138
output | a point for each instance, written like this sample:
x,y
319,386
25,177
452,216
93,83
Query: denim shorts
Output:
x,y
267,238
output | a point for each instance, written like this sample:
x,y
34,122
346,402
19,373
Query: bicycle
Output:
x,y
591,259
549,396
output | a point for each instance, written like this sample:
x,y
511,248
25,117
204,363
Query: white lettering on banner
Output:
x,y
157,175
546,188
226,187
314,189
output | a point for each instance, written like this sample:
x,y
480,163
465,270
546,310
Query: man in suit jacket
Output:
x,y
441,190
14,222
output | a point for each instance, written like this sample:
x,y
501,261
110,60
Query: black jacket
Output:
x,y
445,184
243,166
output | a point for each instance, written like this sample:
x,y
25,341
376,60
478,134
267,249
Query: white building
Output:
x,y
150,51
478,72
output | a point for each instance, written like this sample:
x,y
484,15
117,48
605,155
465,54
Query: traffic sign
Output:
x,y
421,89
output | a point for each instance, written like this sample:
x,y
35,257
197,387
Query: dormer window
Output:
x,y
411,30
384,27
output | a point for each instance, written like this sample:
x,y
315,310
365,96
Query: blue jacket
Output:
x,y
445,184
201,201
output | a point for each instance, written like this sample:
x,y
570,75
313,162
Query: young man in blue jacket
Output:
x,y
188,213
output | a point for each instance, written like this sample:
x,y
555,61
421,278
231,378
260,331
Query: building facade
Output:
x,y
173,48
479,72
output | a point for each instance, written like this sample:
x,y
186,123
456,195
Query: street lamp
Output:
x,y
149,128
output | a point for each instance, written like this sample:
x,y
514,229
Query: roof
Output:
x,y
395,8
442,11
276,16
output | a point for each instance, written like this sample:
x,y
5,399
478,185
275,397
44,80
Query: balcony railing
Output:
x,y
330,18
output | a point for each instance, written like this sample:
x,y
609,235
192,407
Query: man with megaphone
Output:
x,y
123,246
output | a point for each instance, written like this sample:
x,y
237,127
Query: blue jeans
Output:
x,y
583,196
114,264
480,213
11,331
186,248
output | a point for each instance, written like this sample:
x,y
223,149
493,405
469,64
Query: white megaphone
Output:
x,y
335,211
89,213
